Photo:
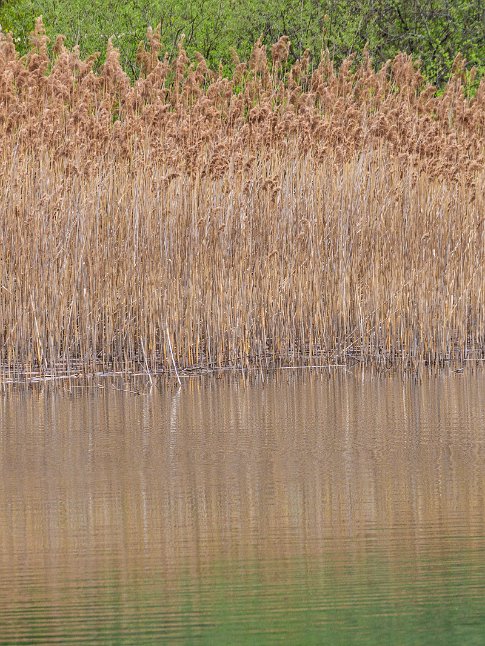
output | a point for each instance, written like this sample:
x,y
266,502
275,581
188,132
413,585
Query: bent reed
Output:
x,y
288,215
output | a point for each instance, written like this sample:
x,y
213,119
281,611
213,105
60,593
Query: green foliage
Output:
x,y
432,30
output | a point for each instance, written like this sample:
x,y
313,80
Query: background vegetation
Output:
x,y
433,30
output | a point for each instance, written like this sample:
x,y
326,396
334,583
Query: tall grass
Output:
x,y
284,215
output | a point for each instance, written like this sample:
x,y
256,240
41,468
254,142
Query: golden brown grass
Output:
x,y
284,215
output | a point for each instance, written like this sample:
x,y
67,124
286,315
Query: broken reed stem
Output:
x,y
173,358
317,216
146,362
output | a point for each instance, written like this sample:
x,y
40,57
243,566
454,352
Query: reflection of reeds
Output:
x,y
276,216
221,470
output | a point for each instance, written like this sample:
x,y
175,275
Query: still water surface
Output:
x,y
324,510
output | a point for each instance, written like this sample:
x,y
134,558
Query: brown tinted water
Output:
x,y
331,510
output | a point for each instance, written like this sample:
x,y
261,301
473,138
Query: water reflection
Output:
x,y
228,511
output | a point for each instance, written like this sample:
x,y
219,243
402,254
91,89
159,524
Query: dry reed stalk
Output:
x,y
266,219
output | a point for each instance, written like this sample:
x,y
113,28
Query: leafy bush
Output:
x,y
433,30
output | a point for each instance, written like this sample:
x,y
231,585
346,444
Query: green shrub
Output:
x,y
433,30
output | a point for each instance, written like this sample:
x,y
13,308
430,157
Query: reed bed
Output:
x,y
286,215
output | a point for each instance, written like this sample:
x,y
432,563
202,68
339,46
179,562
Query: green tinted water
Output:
x,y
323,510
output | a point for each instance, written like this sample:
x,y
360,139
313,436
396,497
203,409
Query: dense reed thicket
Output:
x,y
288,214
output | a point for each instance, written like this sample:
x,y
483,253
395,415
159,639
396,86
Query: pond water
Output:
x,y
325,509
